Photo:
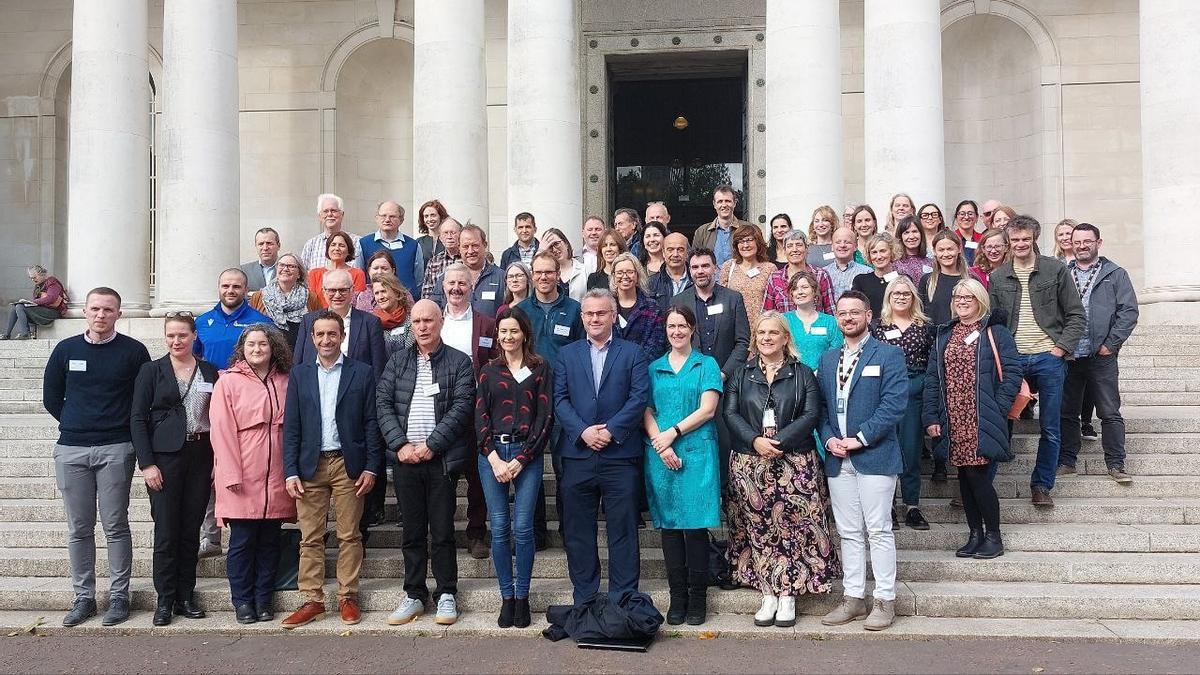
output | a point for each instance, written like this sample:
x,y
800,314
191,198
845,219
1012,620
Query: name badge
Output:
x,y
830,255
716,309
926,269
971,337
820,330
431,389
488,295
893,334
753,272
521,373
841,405
972,244
204,387
397,331
622,321
769,418
890,276
870,371
485,342
562,330
78,365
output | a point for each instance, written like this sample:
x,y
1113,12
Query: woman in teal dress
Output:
x,y
683,474
812,331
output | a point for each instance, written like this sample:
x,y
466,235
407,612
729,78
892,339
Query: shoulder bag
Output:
x,y
1024,396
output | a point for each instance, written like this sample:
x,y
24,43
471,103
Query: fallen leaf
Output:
x,y
707,635
1039,670
31,628
345,633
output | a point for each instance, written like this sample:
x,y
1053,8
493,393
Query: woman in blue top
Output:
x,y
812,331
683,474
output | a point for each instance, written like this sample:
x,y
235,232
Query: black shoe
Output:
x,y
992,547
677,582
266,615
1088,432
697,598
915,520
189,609
939,471
118,612
82,610
972,545
245,613
162,612
541,541
895,521
521,615
507,609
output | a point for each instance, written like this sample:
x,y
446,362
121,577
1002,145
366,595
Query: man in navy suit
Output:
x,y
601,385
331,452
864,385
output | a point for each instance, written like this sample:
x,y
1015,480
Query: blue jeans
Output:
x,y
519,526
1046,374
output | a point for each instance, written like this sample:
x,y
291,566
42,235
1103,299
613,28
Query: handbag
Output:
x,y
1024,396
287,571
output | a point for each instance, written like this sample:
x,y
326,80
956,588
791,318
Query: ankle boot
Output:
x,y
697,599
678,583
992,546
521,616
508,608
162,613
968,549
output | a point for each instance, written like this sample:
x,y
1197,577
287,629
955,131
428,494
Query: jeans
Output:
x,y
1098,376
1047,373
91,477
253,561
864,502
912,441
519,526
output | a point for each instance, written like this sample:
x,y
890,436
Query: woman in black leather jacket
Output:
x,y
778,529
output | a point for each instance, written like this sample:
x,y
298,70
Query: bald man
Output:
x,y
986,212
405,252
673,278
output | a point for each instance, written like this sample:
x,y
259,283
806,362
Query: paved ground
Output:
x,y
359,654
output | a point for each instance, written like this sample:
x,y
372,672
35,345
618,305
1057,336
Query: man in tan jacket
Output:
x,y
716,235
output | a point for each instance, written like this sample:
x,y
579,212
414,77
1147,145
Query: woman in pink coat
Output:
x,y
247,438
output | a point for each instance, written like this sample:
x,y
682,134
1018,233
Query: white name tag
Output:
x,y
890,276
398,330
893,334
971,337
204,387
972,244
485,342
820,330
622,321
713,310
926,269
560,329
431,389
752,272
521,373
488,295
870,371
830,255
79,365
768,418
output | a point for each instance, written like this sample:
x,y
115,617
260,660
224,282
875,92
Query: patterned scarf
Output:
x,y
394,318
285,308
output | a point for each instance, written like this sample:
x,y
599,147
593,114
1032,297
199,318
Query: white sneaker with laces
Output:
x,y
447,610
406,611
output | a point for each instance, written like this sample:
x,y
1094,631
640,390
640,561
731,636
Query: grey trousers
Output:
x,y
91,478
208,529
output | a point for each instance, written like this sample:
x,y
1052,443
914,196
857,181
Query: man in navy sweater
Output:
x,y
88,388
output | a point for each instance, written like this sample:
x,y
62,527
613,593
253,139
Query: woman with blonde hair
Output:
x,y
882,253
813,331
393,308
288,298
1003,215
1063,250
638,319
820,235
901,205
903,323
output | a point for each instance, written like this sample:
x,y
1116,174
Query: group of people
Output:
x,y
768,385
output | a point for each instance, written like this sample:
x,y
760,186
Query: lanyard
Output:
x,y
1092,274
846,368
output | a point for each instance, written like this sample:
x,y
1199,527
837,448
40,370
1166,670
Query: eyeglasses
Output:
x,y
337,291
901,294
962,298
928,216
286,266
988,214
625,273
179,315
545,273
387,216
994,248
966,214
851,313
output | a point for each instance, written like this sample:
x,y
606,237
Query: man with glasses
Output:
x,y
329,215
986,213
1111,310
448,232
1047,320
405,252
261,272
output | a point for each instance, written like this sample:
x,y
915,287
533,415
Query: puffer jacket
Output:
x,y
797,406
452,440
246,415
993,397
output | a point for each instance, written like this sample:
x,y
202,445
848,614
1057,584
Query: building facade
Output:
x,y
144,142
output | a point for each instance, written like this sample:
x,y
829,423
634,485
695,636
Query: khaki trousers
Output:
x,y
329,483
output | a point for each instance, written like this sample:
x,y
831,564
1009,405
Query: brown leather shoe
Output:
x,y
478,548
350,612
1040,496
308,612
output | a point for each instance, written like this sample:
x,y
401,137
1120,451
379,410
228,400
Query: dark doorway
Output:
x,y
676,138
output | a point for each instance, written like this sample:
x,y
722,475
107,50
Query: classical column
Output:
x,y
450,108
804,106
1170,96
904,139
545,174
199,228
108,224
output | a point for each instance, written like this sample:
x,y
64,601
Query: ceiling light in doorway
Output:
x,y
680,123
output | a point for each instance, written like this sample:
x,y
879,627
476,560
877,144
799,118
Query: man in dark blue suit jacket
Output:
x,y
601,385
331,451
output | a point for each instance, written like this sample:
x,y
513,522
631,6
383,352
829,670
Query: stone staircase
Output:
x,y
1109,562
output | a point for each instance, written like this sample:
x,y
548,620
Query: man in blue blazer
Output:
x,y
331,450
601,385
864,385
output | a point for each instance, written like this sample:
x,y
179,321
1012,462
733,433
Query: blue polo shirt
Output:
x,y
217,333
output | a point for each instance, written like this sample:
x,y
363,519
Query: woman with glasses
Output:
x,y
865,226
781,225
966,214
882,252
518,284
820,236
812,330
993,252
169,423
638,317
914,260
748,270
339,251
651,255
901,206
776,297
612,244
288,299
571,270
973,376
932,221
903,323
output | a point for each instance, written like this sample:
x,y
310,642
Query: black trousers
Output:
x,y
685,549
1097,375
979,498
539,509
253,561
427,501
178,511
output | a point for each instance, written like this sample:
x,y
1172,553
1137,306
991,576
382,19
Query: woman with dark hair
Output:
x,y
572,277
651,255
381,262
748,270
339,251
612,244
932,221
169,423
638,317
683,474
247,435
966,214
812,330
781,225
393,306
49,303
914,259
993,252
513,417
289,298
865,226
518,285
949,267
429,216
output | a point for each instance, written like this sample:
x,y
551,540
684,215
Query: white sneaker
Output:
x,y
406,611
766,614
209,549
447,610
785,616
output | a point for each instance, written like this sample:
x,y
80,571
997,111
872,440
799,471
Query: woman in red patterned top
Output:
x,y
513,415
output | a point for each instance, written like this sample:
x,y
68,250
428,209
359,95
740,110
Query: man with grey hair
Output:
x,y
487,280
629,226
261,272
656,212
405,251
329,214
447,231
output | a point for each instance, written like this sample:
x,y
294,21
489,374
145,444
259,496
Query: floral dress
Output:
x,y
753,289
962,407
